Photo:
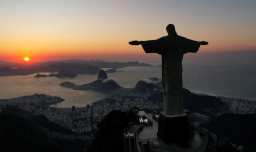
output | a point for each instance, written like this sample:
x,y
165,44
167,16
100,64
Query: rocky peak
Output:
x,y
102,75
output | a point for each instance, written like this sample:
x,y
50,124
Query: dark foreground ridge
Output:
x,y
18,134
45,130
37,120
110,130
238,128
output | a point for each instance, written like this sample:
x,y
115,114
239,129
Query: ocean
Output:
x,y
222,80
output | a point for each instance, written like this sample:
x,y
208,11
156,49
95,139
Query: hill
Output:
x,y
68,84
102,75
150,84
203,104
37,120
100,85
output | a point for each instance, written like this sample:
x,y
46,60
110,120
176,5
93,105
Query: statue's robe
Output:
x,y
172,49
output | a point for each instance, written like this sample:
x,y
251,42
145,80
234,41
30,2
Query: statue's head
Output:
x,y
171,29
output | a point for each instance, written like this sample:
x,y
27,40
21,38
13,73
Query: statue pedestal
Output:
x,y
173,128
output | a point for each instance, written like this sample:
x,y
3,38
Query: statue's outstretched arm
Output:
x,y
203,43
135,42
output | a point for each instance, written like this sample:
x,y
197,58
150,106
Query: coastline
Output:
x,y
37,98
223,96
225,99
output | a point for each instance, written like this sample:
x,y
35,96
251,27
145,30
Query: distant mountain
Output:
x,y
151,84
89,86
38,75
78,66
68,84
154,79
18,134
88,70
102,75
113,70
203,104
98,85
61,74
109,85
115,65
4,63
221,57
64,73
101,84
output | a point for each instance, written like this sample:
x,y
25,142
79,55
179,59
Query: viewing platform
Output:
x,y
148,141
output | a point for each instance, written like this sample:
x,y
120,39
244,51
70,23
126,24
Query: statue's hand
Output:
x,y
203,43
134,43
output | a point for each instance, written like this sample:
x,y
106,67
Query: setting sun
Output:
x,y
26,58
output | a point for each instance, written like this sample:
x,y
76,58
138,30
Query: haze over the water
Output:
x,y
67,29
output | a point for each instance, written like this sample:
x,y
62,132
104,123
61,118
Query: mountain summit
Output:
x,y
102,75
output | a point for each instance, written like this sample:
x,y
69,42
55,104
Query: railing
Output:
x,y
138,128
129,126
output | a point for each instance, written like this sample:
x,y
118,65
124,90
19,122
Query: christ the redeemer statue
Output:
x,y
171,48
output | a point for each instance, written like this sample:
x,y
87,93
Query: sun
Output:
x,y
26,58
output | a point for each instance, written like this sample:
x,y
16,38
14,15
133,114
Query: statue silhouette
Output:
x,y
171,48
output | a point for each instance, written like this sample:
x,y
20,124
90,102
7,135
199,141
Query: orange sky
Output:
x,y
101,30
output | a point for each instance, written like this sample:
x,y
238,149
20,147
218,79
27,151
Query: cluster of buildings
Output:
x,y
80,119
36,102
77,119
240,105
83,120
